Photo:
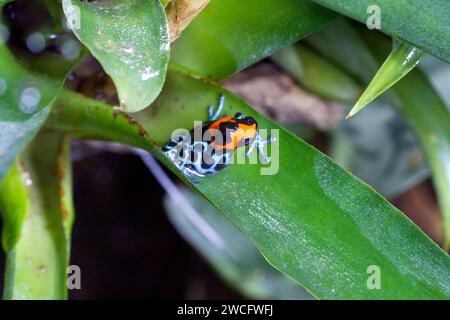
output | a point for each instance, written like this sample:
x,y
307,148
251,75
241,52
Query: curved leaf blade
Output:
x,y
228,36
430,124
324,231
402,59
131,41
25,101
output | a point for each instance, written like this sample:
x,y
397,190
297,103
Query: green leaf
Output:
x,y
25,101
317,74
13,208
324,231
410,96
36,267
427,29
431,124
229,252
228,36
131,41
402,59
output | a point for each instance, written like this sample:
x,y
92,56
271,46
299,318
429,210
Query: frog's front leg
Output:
x,y
259,143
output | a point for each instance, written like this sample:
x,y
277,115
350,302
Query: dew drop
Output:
x,y
29,100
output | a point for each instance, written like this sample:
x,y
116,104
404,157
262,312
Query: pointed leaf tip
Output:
x,y
402,59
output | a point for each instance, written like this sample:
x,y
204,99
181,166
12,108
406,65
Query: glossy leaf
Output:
x,y
324,231
25,101
422,23
233,256
431,124
402,59
228,36
414,97
317,74
36,267
131,41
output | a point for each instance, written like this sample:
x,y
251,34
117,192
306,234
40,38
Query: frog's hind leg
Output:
x,y
215,116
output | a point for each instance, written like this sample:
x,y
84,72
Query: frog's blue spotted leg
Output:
x,y
215,116
259,143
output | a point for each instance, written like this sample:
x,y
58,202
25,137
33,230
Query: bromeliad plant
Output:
x,y
313,220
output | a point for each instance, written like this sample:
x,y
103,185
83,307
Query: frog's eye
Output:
x,y
238,116
249,121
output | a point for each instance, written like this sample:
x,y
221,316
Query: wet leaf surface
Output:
x,y
131,41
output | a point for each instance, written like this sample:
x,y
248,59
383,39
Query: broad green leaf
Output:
x,y
230,252
228,36
36,267
25,101
422,23
317,74
402,59
28,89
325,230
415,98
431,124
13,208
131,41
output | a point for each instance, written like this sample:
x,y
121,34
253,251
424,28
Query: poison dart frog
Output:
x,y
199,158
